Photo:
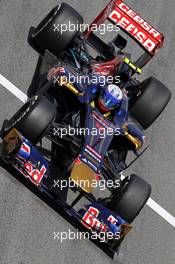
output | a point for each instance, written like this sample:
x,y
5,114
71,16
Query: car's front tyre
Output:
x,y
32,119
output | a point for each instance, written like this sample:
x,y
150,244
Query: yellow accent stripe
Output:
x,y
132,65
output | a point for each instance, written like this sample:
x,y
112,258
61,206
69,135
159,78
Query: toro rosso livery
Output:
x,y
143,32
86,99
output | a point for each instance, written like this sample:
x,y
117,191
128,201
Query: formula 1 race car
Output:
x,y
84,160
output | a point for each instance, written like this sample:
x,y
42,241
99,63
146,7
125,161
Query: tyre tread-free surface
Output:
x,y
134,197
53,32
151,102
33,118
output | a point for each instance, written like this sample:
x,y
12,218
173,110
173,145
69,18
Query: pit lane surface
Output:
x,y
26,224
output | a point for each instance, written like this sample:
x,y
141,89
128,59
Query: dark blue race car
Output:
x,y
95,113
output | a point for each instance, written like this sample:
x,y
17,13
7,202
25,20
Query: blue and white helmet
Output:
x,y
110,98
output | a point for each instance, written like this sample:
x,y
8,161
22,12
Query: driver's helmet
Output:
x,y
110,98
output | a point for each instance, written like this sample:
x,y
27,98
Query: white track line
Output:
x,y
13,89
158,209
151,203
161,211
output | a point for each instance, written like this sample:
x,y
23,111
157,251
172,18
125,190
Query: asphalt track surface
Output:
x,y
26,223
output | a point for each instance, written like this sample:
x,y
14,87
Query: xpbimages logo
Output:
x,y
73,27
102,80
101,184
100,132
72,235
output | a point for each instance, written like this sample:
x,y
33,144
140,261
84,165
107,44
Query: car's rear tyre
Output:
x,y
134,197
46,36
32,119
152,100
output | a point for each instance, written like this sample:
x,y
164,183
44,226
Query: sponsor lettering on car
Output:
x,y
136,26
